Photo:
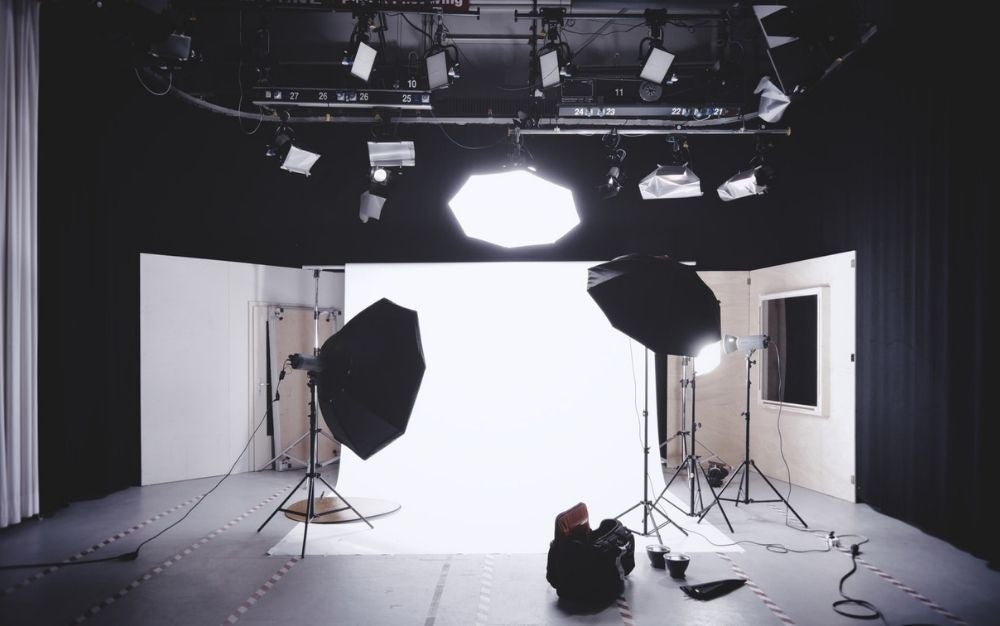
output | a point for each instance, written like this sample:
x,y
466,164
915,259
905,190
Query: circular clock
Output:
x,y
650,92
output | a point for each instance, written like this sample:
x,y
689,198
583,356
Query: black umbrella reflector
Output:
x,y
662,304
370,375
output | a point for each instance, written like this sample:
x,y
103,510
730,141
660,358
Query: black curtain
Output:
x,y
88,269
887,162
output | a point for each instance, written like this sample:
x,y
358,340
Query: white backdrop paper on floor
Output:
x,y
530,404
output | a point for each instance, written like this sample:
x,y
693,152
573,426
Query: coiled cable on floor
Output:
x,y
872,610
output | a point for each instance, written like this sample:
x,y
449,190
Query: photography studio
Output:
x,y
495,313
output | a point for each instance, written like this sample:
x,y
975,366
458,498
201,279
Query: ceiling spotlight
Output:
x,y
441,68
657,65
670,181
392,153
379,175
437,70
751,182
299,161
656,61
773,101
364,61
359,55
673,180
555,57
371,206
612,184
442,58
548,65
293,159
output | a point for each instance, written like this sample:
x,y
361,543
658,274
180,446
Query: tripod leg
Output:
x,y
729,482
670,482
310,513
669,521
281,506
285,452
656,529
777,493
629,510
715,502
349,505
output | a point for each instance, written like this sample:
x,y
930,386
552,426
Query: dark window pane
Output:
x,y
791,323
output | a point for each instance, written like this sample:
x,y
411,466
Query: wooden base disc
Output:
x,y
339,512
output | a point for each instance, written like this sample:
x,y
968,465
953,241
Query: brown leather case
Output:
x,y
573,522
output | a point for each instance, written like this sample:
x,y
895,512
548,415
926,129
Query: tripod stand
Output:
x,y
648,506
690,462
743,471
311,476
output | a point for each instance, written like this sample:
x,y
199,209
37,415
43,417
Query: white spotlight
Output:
x,y
657,65
371,206
548,64
749,182
364,61
749,343
514,208
773,101
299,161
670,181
392,153
437,70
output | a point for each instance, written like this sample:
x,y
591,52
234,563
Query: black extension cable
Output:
x,y
134,554
872,610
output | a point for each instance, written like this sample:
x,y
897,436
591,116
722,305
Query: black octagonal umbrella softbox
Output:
x,y
371,373
659,302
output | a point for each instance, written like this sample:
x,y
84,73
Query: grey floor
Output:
x,y
212,569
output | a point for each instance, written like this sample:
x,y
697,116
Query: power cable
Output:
x,y
170,84
239,82
873,612
134,554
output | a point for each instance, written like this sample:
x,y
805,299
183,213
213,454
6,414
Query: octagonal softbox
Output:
x,y
371,373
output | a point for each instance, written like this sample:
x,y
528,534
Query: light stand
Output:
x,y
284,453
691,463
647,505
743,471
312,475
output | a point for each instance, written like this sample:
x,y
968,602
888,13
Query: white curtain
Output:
x,y
18,260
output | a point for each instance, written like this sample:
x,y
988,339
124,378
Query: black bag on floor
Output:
x,y
590,568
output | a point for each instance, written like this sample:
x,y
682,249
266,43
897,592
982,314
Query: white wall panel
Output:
x,y
195,357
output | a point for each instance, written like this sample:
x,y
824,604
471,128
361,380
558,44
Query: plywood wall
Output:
x,y
819,448
720,393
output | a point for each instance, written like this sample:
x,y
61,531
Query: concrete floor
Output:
x,y
211,569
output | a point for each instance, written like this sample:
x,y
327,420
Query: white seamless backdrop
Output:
x,y
528,405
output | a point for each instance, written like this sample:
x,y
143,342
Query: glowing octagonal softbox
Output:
x,y
514,208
